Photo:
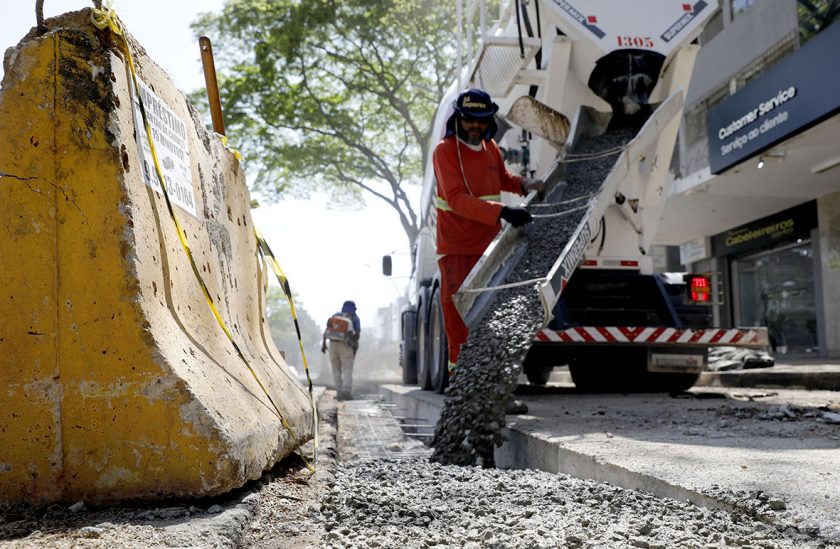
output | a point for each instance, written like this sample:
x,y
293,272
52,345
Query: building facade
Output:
x,y
758,172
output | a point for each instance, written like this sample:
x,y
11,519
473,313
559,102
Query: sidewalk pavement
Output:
x,y
819,374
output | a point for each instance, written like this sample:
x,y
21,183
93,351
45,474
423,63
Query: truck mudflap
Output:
x,y
754,338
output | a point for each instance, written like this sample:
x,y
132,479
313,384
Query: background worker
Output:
x,y
470,176
342,331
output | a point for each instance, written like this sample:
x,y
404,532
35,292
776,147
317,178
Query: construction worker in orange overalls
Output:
x,y
470,176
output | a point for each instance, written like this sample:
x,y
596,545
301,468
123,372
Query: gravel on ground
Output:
x,y
414,503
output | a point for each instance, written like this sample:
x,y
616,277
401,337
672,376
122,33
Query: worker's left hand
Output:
x,y
515,216
534,185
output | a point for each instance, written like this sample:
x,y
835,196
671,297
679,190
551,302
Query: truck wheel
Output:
x,y
610,370
672,382
538,376
423,356
540,361
438,351
408,363
408,358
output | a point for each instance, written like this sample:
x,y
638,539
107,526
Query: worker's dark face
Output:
x,y
474,128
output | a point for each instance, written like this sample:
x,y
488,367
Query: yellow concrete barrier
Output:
x,y
116,381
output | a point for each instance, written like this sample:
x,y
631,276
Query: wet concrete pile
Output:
x,y
490,362
413,503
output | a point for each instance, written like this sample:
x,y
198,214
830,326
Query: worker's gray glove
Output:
x,y
538,185
515,216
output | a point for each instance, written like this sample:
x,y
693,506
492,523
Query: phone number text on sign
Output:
x,y
169,134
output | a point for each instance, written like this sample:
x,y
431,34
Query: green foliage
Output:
x,y
282,327
815,16
329,94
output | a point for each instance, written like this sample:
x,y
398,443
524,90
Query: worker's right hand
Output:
x,y
538,185
324,348
515,216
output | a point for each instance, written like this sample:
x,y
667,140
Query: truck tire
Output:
x,y
672,382
409,377
587,377
538,376
540,361
438,350
423,356
608,370
624,371
408,348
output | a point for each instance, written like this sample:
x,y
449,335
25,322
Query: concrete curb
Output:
x,y
531,451
528,450
533,443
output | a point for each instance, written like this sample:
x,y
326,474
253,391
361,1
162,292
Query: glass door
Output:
x,y
776,289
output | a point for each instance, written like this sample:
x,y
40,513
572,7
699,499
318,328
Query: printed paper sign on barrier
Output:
x,y
170,137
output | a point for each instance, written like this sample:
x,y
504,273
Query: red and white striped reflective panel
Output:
x,y
654,334
625,264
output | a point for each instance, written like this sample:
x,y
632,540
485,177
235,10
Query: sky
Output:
x,y
329,253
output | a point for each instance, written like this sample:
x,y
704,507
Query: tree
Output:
x,y
281,324
335,94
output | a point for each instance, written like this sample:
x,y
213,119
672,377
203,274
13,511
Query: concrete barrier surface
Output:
x,y
116,381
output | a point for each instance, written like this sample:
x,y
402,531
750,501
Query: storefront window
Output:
x,y
740,6
815,16
776,289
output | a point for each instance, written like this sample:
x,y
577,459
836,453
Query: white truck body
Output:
x,y
592,29
569,55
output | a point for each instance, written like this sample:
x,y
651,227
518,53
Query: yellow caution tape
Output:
x,y
267,255
236,154
107,18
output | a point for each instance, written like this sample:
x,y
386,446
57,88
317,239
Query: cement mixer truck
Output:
x,y
564,71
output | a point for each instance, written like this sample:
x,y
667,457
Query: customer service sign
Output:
x,y
798,92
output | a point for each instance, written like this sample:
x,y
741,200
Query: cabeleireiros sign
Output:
x,y
785,226
776,230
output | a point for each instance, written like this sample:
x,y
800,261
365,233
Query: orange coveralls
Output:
x,y
467,220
